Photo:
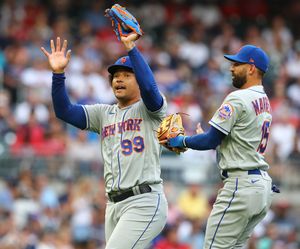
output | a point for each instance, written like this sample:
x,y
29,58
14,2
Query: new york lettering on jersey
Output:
x,y
121,127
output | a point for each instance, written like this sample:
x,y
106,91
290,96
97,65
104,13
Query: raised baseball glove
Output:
x,y
123,22
170,127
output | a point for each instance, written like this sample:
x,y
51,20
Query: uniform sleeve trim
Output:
x,y
87,118
218,127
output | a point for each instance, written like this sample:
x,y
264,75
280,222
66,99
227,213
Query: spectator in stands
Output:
x,y
193,203
30,138
8,123
170,239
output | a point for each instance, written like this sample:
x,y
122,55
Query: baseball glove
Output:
x,y
123,22
171,126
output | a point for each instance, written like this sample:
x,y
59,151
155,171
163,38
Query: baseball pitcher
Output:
x,y
239,131
137,208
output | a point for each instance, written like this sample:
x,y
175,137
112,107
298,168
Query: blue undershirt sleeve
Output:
x,y
63,108
205,141
144,76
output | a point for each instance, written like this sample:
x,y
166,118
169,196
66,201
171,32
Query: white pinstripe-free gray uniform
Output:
x,y
130,152
244,200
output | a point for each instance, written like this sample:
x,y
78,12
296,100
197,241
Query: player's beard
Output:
x,y
239,80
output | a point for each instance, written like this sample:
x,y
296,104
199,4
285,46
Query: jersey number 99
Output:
x,y
136,144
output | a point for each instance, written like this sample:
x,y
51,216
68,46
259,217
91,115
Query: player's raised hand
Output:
x,y
129,41
58,58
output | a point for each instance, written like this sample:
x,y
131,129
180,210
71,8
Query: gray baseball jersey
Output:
x,y
245,198
245,118
129,146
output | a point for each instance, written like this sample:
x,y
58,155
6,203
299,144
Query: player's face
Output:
x,y
239,74
125,87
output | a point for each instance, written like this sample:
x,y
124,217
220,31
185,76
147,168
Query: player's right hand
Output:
x,y
58,58
199,129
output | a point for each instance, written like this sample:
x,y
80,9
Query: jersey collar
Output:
x,y
127,107
257,88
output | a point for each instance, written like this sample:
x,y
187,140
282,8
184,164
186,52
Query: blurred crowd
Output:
x,y
184,42
41,212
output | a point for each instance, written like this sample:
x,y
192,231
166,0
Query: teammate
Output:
x,y
239,130
136,210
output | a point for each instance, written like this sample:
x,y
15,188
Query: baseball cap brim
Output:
x,y
234,58
113,68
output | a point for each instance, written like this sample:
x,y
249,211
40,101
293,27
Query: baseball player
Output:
x,y
239,130
136,210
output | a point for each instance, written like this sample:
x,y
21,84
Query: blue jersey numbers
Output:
x,y
136,144
264,137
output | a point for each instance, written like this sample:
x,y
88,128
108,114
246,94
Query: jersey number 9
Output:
x,y
136,144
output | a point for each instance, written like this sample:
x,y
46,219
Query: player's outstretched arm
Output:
x,y
202,141
149,90
58,60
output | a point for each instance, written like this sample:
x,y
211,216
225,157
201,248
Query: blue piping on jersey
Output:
x,y
120,172
256,91
157,206
233,195
219,127
111,167
122,122
87,117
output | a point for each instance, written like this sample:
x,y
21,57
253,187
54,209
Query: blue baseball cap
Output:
x,y
251,54
122,63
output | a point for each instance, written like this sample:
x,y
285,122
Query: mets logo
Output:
x,y
225,111
123,60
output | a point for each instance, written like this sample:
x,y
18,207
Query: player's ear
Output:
x,y
252,69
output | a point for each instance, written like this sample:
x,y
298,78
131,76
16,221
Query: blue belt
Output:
x,y
250,172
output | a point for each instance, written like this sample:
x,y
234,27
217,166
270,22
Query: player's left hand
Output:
x,y
176,142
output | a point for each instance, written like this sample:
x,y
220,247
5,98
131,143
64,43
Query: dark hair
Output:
x,y
110,78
